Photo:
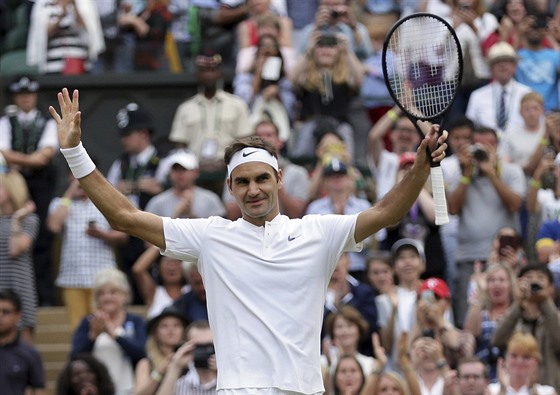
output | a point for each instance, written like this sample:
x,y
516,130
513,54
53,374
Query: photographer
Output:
x,y
193,366
486,193
534,312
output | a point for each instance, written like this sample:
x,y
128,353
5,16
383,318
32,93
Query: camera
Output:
x,y
327,40
336,14
535,287
201,354
429,333
478,152
91,224
177,346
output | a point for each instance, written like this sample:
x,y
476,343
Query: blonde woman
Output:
x,y
114,336
19,227
325,80
166,332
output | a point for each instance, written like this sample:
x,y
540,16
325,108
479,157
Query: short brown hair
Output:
x,y
351,314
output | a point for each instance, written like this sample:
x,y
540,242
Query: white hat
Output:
x,y
501,51
185,159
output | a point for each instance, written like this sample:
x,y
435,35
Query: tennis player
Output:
x,y
265,275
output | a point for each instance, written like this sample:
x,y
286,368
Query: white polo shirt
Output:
x,y
265,289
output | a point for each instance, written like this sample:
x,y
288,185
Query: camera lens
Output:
x,y
535,287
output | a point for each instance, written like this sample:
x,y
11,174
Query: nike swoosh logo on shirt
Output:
x,y
245,154
290,238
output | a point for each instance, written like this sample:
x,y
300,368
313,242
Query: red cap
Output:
x,y
406,158
437,285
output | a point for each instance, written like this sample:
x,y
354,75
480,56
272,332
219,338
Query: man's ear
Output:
x,y
228,181
280,179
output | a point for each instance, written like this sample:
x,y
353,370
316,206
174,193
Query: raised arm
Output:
x,y
120,213
398,201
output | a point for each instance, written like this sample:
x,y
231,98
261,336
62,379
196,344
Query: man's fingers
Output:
x,y
54,114
76,101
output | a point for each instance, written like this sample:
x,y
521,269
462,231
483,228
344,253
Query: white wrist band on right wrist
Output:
x,y
78,160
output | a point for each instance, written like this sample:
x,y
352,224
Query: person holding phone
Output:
x,y
534,312
197,357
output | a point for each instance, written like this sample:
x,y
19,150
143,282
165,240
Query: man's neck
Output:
x,y
8,337
209,93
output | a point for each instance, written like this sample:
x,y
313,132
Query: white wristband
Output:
x,y
78,160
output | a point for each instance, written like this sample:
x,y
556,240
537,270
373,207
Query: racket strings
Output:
x,y
423,66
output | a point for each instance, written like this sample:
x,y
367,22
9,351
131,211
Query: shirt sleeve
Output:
x,y
36,373
49,138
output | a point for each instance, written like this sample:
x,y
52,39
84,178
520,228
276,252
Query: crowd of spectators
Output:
x,y
465,308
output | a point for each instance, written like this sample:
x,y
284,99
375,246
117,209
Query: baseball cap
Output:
x,y
406,158
335,166
437,285
501,51
170,311
23,84
408,243
187,160
209,58
133,117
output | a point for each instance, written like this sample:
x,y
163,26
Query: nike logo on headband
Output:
x,y
246,154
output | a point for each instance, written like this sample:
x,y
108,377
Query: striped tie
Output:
x,y
501,115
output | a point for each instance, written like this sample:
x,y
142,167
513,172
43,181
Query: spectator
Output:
x,y
267,25
169,284
266,88
348,377
247,29
192,304
344,289
301,13
419,224
185,199
333,17
87,247
111,334
325,80
345,330
64,36
340,199
196,355
507,248
434,317
543,199
149,27
534,313
460,138
397,310
382,162
205,135
496,104
472,377
429,363
135,174
19,228
380,273
295,180
84,374
522,363
166,333
22,368
511,14
547,236
525,144
485,200
538,67
28,142
487,306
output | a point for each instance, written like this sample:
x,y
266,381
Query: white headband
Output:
x,y
251,154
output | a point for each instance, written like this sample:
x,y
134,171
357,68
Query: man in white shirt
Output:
x,y
496,105
265,274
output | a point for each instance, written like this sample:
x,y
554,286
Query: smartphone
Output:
x,y
508,240
429,296
91,224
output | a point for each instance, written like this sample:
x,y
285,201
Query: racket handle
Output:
x,y
438,190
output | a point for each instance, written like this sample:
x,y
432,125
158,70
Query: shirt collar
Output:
x,y
143,157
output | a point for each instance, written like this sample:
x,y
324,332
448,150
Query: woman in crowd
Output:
x,y
516,374
166,332
111,334
345,329
247,30
380,273
348,377
265,87
169,284
19,227
84,375
325,80
486,307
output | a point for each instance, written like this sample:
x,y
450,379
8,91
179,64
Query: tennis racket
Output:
x,y
422,67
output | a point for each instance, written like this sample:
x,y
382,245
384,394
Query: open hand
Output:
x,y
69,130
